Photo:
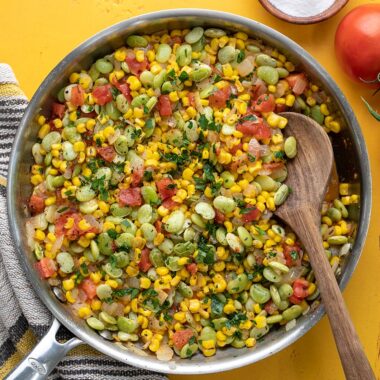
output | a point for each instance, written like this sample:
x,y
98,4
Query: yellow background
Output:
x,y
37,34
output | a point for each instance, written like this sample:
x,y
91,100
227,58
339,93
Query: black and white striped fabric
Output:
x,y
23,317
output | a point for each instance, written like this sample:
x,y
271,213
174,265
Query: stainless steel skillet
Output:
x,y
351,158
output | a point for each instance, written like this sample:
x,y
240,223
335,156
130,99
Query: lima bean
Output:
x,y
205,210
292,313
259,294
234,242
238,284
290,147
281,194
163,53
268,74
65,261
226,54
224,204
134,41
175,222
271,275
245,236
183,55
194,35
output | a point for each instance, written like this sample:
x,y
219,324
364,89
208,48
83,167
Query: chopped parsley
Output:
x,y
216,306
184,76
112,233
251,158
148,175
205,124
235,319
97,184
62,209
248,118
132,292
206,252
240,56
294,254
179,159
136,133
279,155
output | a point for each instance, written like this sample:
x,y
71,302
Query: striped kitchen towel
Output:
x,y
23,318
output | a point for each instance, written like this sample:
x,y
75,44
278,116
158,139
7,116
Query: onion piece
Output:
x,y
164,353
245,67
57,244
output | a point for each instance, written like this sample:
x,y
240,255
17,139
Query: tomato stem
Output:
x,y
371,110
377,80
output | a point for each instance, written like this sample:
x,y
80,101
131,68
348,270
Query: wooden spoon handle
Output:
x,y
352,356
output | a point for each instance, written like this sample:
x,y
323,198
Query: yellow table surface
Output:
x,y
36,35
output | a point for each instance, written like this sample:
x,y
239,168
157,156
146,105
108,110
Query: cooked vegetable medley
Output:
x,y
155,180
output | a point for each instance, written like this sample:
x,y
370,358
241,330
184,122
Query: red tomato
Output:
x,y
254,126
72,233
181,337
235,148
158,225
107,153
250,214
136,67
36,204
219,98
137,175
192,268
298,83
89,287
123,88
264,103
169,204
270,307
260,88
357,43
164,106
280,108
145,263
219,217
166,188
57,110
77,96
191,97
46,267
272,166
300,291
130,197
102,94
292,255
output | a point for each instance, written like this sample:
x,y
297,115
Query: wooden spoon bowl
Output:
x,y
308,176
335,8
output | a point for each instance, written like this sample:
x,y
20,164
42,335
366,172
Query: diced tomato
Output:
x,y
46,267
252,125
219,98
191,97
181,337
158,225
300,291
77,96
107,153
264,103
292,255
250,214
89,287
102,94
235,148
164,106
175,40
166,188
136,67
298,83
219,217
280,108
123,88
145,263
192,268
36,204
272,166
73,232
260,88
137,175
57,110
270,307
130,197
169,204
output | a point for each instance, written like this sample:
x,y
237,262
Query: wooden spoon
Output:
x,y
308,177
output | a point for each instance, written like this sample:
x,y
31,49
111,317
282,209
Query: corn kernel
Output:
x,y
68,284
84,312
145,283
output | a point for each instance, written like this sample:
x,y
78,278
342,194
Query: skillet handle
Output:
x,y
38,364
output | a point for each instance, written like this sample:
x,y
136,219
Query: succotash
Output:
x,y
156,175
